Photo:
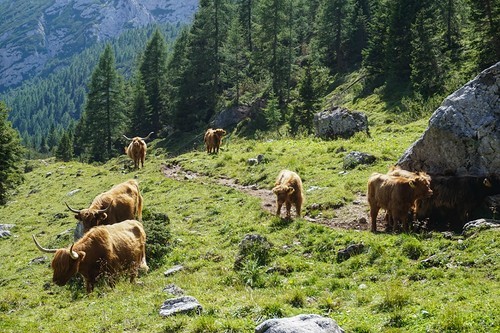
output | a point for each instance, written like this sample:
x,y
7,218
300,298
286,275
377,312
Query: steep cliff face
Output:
x,y
32,34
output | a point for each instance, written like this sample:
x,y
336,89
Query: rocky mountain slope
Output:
x,y
36,37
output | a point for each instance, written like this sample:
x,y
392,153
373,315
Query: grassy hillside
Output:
x,y
387,288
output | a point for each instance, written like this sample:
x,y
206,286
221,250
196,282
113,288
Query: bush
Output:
x,y
158,240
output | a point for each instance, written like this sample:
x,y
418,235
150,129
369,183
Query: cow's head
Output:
x,y
282,192
65,263
421,186
219,133
90,217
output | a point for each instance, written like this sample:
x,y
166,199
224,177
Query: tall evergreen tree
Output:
x,y
64,151
11,153
140,115
235,61
306,103
486,21
153,74
104,112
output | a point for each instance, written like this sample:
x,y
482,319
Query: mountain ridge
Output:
x,y
39,37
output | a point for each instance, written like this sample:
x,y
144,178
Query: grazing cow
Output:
x,y
454,200
396,195
104,251
213,139
122,202
288,190
136,150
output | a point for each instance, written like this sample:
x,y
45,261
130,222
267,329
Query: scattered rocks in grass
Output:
x,y
304,323
38,260
351,250
4,230
480,224
73,192
174,290
184,304
173,270
355,158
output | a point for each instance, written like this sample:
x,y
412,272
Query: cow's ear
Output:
x,y
290,190
411,183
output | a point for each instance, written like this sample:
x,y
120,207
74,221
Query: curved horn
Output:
x,y
127,138
105,209
72,253
147,136
42,248
72,209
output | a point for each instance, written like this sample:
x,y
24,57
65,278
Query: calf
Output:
x,y
104,251
288,190
396,195
213,139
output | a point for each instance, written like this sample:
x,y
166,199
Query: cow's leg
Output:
x,y
373,215
389,222
288,208
279,208
298,208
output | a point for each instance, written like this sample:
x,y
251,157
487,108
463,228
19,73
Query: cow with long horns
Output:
x,y
136,150
105,251
120,203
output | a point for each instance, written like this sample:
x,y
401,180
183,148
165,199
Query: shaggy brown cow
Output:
x,y
455,199
104,251
136,150
122,202
396,195
288,190
213,139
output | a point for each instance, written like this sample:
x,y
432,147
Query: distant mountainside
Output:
x,y
38,37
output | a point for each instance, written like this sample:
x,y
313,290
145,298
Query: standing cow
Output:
x,y
120,203
288,190
397,195
136,150
104,251
213,139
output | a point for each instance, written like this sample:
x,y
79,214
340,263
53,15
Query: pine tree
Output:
x,y
153,71
64,151
11,153
141,110
104,112
486,21
235,61
306,103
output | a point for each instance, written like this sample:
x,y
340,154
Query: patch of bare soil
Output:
x,y
352,216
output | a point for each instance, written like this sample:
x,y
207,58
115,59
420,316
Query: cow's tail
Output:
x,y
138,205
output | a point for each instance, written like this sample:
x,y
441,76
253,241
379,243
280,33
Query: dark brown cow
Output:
x,y
213,139
454,200
136,150
396,195
288,190
104,251
122,202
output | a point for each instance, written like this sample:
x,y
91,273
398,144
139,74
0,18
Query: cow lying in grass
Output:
x,y
397,195
288,190
104,251
213,139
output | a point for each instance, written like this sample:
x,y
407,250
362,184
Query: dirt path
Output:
x,y
352,216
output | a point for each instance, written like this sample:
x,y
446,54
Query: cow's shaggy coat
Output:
x,y
288,190
120,203
213,139
105,251
136,150
397,195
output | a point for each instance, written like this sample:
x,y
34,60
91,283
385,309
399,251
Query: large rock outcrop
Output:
x,y
463,136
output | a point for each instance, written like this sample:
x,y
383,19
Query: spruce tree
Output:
x,y
64,151
153,71
11,153
486,21
104,112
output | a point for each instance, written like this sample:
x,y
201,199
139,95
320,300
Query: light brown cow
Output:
x,y
104,251
213,139
397,195
136,150
120,203
288,190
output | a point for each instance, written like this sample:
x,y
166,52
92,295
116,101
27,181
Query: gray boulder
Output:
x,y
480,224
339,123
463,136
184,304
355,158
4,230
305,323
